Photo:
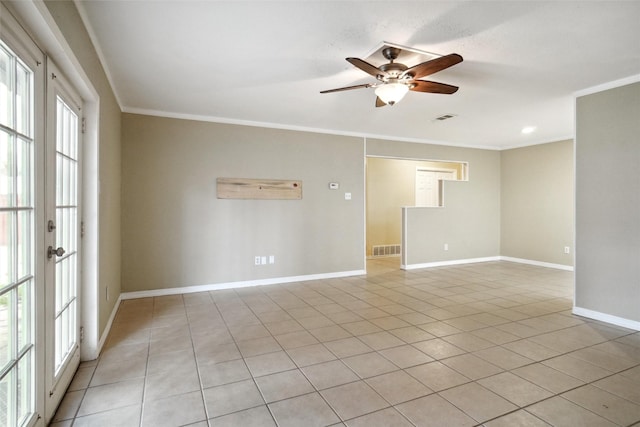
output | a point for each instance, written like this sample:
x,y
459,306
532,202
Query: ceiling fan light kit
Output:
x,y
394,79
391,93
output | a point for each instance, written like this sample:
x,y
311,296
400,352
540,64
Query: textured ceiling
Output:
x,y
265,62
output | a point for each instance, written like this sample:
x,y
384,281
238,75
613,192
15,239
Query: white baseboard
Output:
x,y
537,263
486,259
94,352
242,284
607,318
447,263
105,334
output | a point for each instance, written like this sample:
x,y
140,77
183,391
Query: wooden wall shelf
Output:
x,y
262,189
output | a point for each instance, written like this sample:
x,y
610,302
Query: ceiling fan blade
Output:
x,y
347,88
432,87
380,102
432,66
366,67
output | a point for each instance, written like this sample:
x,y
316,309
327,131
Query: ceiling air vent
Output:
x,y
445,117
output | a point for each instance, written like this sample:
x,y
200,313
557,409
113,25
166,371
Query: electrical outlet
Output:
x,y
567,250
257,260
446,246
263,260
272,259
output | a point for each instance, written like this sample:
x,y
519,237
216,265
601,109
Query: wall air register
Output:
x,y
385,250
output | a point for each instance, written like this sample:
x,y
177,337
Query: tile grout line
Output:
x,y
195,360
146,368
304,293
244,362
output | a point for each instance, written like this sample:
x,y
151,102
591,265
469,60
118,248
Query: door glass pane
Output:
x,y
6,249
25,318
7,397
6,170
6,86
59,184
25,392
63,144
24,245
24,161
6,328
23,97
66,232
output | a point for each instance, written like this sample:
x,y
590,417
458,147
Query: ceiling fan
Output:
x,y
395,79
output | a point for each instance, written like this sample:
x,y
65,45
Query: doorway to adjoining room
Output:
x,y
393,183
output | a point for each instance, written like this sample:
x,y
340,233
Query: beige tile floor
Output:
x,y
490,344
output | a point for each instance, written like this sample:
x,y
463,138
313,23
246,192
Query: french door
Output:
x,y
62,238
21,290
39,230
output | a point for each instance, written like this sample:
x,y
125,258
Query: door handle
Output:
x,y
57,252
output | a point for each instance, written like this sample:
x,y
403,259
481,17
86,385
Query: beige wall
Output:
x,y
70,24
608,203
391,185
470,220
177,233
467,233
537,202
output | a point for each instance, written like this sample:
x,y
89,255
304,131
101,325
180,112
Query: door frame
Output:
x,y
440,186
464,176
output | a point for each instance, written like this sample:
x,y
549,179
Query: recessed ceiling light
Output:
x,y
528,129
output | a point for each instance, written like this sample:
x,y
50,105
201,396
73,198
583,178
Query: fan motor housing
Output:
x,y
393,69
